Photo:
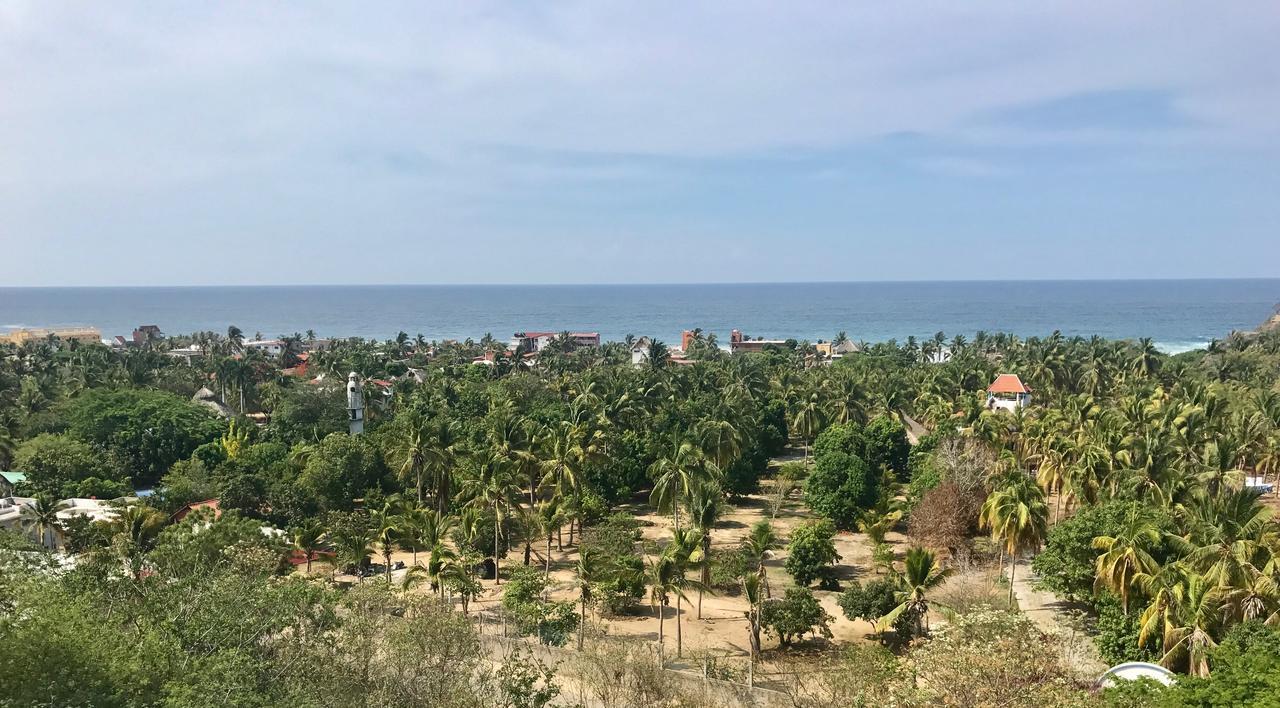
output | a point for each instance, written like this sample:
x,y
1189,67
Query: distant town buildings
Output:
x,y
82,335
739,344
536,341
271,347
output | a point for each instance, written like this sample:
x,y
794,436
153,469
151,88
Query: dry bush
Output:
x,y
966,463
616,674
945,518
971,588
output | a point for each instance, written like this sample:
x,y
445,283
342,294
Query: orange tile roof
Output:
x,y
1008,383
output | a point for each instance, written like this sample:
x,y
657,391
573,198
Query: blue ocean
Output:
x,y
1178,314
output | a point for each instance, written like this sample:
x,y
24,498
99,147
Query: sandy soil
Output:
x,y
723,626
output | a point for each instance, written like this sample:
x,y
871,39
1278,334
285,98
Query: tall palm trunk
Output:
x,y
496,535
582,621
679,637
1013,566
662,613
546,570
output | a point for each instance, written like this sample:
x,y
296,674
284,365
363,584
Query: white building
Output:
x,y
640,351
1008,393
273,347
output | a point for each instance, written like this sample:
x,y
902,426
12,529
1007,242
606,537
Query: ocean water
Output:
x,y
1178,314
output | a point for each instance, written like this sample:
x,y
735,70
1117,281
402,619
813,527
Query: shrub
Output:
x,y
870,602
615,539
551,622
1116,634
794,616
1246,668
812,551
1066,565
885,446
970,662
945,517
841,487
728,566
58,464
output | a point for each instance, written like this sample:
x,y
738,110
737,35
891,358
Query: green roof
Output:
x,y
13,477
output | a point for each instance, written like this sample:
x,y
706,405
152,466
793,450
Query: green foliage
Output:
x,y
1066,564
309,414
885,446
341,469
795,615
1116,634
812,551
614,539
147,431
553,623
59,465
841,487
728,566
871,602
1246,668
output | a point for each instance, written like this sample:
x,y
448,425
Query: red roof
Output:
x,y
1008,383
180,514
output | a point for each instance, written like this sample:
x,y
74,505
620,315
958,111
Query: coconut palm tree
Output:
x,y
351,546
386,531
42,515
307,539
1126,556
685,549
662,572
133,532
591,568
704,512
1017,516
921,575
1185,612
492,487
679,470
759,545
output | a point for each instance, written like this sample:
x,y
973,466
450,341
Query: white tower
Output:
x,y
355,404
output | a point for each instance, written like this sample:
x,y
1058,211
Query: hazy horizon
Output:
x,y
645,284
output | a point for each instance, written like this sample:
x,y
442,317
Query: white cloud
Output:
x,y
196,100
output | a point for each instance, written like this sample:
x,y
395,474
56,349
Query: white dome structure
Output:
x,y
1134,670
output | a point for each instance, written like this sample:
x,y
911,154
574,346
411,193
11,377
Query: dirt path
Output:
x,y
1050,614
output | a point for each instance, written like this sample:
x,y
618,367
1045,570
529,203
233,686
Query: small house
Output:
x,y
1008,393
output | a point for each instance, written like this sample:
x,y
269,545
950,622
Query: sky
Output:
x,y
253,142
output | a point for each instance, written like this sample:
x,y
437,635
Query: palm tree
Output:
x,y
679,470
704,511
134,531
1126,555
758,545
753,591
1146,360
662,584
492,487
550,518
1226,540
807,420
42,515
412,448
308,538
351,546
591,569
1185,612
685,549
921,575
1017,516
386,531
